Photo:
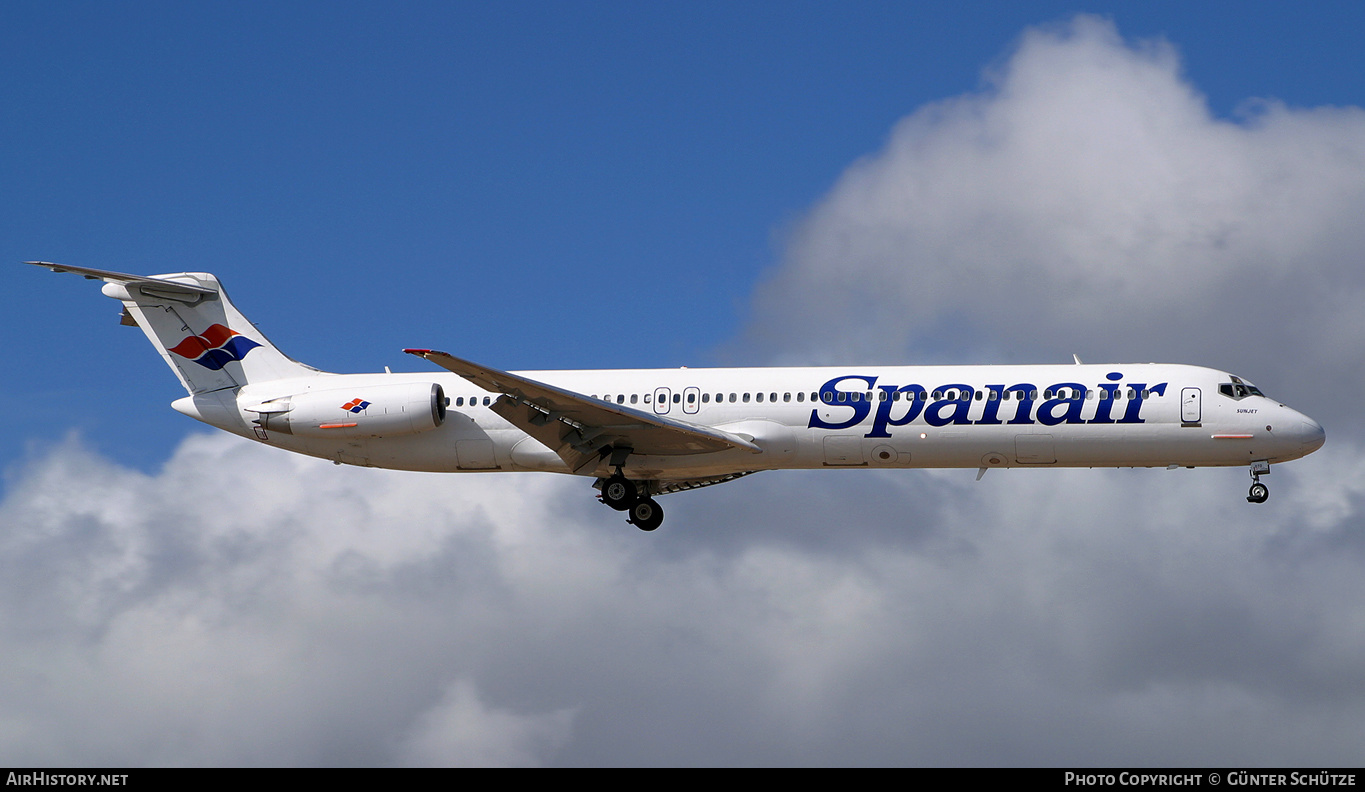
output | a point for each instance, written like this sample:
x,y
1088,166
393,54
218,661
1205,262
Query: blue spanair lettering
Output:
x,y
883,418
961,405
994,395
955,411
1047,411
828,394
1023,393
1132,414
1108,393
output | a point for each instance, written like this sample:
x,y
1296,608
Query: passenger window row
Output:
x,y
840,397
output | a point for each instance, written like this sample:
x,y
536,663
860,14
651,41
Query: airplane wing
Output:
x,y
581,430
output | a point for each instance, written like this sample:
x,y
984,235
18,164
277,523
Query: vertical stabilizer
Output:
x,y
197,330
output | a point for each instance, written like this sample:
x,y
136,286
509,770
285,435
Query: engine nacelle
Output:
x,y
365,411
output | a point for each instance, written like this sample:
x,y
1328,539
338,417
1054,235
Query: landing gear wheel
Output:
x,y
1259,492
646,515
619,493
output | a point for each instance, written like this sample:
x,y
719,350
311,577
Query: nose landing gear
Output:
x,y
1259,492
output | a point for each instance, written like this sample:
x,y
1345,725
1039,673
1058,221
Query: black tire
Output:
x,y
619,493
1259,493
646,514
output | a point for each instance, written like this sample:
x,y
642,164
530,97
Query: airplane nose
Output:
x,y
1312,434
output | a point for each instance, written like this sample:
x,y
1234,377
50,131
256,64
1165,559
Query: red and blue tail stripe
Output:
x,y
214,349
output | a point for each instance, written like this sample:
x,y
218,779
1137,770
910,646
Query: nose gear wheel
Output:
x,y
1259,492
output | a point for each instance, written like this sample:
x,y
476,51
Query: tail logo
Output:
x,y
215,348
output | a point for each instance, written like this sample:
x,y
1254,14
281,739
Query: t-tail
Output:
x,y
200,334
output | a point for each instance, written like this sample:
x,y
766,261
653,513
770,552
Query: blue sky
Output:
x,y
532,185
586,185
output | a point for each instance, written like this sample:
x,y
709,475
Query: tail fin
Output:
x,y
200,334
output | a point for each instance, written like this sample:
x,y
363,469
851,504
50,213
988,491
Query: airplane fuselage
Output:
x,y
648,432
1135,415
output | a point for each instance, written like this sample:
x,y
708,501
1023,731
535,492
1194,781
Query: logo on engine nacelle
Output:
x,y
355,405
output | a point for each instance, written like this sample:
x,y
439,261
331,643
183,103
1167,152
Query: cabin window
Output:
x,y
732,398
691,398
746,398
786,397
621,398
706,398
634,397
800,396
760,398
487,400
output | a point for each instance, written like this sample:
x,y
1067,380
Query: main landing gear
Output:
x,y
622,494
1259,492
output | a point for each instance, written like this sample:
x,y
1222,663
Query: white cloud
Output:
x,y
322,615
460,731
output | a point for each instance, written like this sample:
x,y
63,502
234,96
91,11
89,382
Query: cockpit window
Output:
x,y
1239,389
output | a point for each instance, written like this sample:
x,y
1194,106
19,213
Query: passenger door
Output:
x,y
1190,408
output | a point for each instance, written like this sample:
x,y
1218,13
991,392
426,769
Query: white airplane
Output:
x,y
647,432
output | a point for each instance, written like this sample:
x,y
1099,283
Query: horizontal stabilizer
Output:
x,y
152,287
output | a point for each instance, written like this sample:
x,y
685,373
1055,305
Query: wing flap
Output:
x,y
581,430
